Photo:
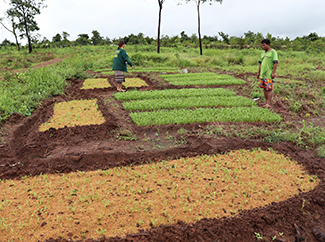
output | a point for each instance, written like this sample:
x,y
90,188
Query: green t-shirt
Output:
x,y
267,61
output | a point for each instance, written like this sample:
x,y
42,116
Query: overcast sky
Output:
x,y
119,18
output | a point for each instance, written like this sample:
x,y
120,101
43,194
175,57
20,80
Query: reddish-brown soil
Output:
x,y
26,151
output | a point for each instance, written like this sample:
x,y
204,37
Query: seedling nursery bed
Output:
x,y
109,179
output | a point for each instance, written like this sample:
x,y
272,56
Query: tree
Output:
x,y
96,39
83,39
65,36
311,37
160,3
198,3
6,42
193,38
250,37
25,11
57,38
13,30
184,37
225,37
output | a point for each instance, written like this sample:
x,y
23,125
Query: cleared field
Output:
x,y
124,200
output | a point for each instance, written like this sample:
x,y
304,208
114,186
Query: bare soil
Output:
x,y
26,151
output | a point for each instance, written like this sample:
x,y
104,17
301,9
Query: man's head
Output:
x,y
266,44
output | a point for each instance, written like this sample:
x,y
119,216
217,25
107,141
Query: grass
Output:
x,y
95,83
199,115
21,93
74,113
126,199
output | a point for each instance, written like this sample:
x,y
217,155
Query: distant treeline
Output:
x,y
312,42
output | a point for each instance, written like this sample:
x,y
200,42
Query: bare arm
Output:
x,y
274,69
258,73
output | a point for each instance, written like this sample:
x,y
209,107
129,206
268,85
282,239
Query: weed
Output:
x,y
259,237
126,134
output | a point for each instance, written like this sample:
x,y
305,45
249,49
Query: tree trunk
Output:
x,y
199,28
17,43
159,22
30,49
27,34
14,33
29,45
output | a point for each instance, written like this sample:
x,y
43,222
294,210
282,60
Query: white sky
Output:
x,y
119,18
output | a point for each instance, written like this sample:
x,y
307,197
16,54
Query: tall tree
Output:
x,y
13,30
56,38
65,36
225,37
198,4
96,39
160,3
25,11
83,39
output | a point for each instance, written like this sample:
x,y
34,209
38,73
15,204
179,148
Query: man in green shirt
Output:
x,y
266,73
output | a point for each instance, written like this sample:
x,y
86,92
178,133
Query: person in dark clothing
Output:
x,y
121,59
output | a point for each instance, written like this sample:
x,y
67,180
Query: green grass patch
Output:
x,y
108,73
189,102
183,116
201,79
155,69
21,93
173,93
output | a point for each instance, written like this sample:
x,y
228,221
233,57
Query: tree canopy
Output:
x,y
23,12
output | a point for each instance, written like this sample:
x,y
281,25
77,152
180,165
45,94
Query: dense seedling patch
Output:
x,y
125,199
189,102
240,109
199,115
95,83
201,79
104,70
110,73
155,69
134,82
173,93
74,113
165,69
